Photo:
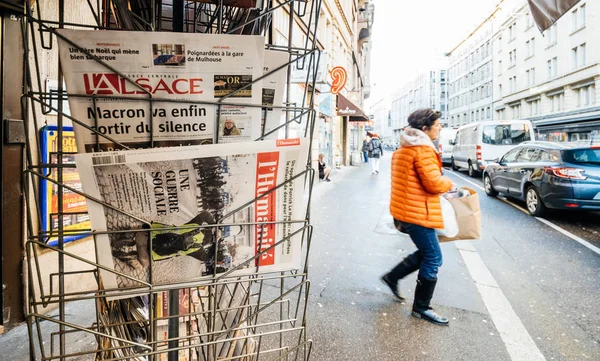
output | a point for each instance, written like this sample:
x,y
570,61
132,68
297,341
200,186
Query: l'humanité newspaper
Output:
x,y
168,66
190,187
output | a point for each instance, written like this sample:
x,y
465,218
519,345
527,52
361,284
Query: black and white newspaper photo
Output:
x,y
194,188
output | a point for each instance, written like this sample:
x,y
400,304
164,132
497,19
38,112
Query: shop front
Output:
x,y
570,128
352,123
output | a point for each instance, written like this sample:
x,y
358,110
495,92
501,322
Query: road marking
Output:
x,y
570,235
519,344
545,221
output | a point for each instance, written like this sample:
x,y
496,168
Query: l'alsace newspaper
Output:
x,y
190,187
178,66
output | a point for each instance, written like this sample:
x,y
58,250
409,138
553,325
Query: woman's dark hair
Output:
x,y
423,118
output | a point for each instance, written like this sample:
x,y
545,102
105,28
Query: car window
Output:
x,y
582,156
549,156
528,155
506,134
511,156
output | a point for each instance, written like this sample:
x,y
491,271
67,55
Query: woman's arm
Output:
x,y
428,169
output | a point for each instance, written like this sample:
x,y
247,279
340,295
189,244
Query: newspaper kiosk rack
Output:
x,y
257,317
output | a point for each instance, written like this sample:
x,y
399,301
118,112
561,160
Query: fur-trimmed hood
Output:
x,y
412,137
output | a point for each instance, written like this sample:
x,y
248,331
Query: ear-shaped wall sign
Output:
x,y
339,76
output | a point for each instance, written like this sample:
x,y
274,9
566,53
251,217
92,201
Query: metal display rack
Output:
x,y
263,314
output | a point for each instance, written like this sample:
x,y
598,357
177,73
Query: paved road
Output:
x,y
524,292
583,224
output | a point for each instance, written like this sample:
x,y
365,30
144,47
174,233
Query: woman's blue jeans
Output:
x,y
428,247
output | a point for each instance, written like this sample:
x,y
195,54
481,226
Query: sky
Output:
x,y
411,36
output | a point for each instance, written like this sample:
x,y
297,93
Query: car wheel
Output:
x,y
453,165
489,188
535,206
472,171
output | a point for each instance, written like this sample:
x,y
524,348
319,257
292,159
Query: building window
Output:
x,y
534,107
575,17
582,15
552,68
499,44
500,90
585,95
579,56
529,20
512,31
557,102
551,35
530,46
489,113
516,111
512,82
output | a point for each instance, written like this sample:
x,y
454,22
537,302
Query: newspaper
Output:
x,y
191,187
193,67
273,87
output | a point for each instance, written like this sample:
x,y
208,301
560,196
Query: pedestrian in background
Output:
x,y
365,149
375,152
417,184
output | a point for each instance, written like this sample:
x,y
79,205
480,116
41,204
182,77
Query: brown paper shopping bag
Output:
x,y
468,217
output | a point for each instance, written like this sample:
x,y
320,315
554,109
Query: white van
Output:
x,y
445,141
478,144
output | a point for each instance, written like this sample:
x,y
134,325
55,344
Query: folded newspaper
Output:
x,y
174,66
192,188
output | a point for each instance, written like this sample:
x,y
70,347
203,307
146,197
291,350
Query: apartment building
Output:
x,y
428,90
551,78
470,76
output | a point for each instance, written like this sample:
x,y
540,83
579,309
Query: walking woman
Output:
x,y
417,184
375,152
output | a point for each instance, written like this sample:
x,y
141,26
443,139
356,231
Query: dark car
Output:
x,y
548,175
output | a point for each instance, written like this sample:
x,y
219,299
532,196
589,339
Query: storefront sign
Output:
x,y
339,76
326,106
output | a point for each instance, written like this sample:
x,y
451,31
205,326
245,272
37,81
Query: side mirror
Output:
x,y
453,142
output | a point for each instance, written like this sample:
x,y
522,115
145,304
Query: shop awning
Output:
x,y
547,12
345,108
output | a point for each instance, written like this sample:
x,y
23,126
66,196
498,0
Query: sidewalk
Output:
x,y
352,315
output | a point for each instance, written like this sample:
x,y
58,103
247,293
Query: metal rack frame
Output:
x,y
274,305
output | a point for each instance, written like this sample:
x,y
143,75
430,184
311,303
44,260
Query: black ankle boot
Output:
x,y
402,269
393,286
421,306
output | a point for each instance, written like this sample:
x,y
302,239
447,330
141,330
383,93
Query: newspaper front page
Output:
x,y
190,187
158,65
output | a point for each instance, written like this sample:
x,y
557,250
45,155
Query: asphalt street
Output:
x,y
525,291
583,224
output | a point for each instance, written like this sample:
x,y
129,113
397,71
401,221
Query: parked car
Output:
x,y
478,144
444,144
548,175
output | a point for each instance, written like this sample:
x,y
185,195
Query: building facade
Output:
x,y
428,90
382,124
343,37
550,79
471,77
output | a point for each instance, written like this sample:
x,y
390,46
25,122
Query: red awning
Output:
x,y
547,12
346,108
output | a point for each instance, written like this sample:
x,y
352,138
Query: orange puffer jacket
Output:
x,y
417,181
